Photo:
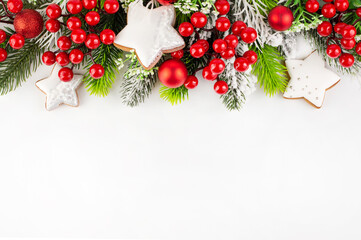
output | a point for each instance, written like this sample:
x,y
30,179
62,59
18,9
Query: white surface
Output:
x,y
277,170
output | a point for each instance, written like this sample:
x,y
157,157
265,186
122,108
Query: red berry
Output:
x,y
64,43
107,36
73,23
228,53
222,6
191,82
249,35
17,41
96,71
52,25
78,36
76,56
204,43
223,24
217,66
92,18
15,6
208,74
347,60
186,29
177,54
251,56
232,41
349,32
221,87
238,27
199,20
328,10
358,12
62,59
53,11
92,41
219,45
312,6
333,51
48,58
65,74
197,50
241,64
358,48
2,36
324,29
74,6
342,5
3,55
339,26
89,4
348,44
328,0
111,6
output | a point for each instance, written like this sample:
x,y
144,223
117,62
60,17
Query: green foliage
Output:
x,y
302,17
271,73
173,95
234,98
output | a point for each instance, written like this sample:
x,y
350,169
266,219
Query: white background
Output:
x,y
277,170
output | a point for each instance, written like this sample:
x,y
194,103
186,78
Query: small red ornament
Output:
x,y
17,41
358,48
232,41
28,23
73,23
96,71
76,56
348,44
64,43
197,50
78,36
223,24
324,29
15,6
217,66
166,2
52,25
333,51
65,74
48,58
358,12
328,10
280,18
251,56
249,35
339,26
221,87
348,32
107,36
238,27
199,20
222,6
89,4
191,82
241,64
3,55
62,59
92,41
204,43
92,18
347,60
219,45
74,6
228,53
2,36
208,74
177,54
172,73
111,6
312,6
53,11
186,29
341,5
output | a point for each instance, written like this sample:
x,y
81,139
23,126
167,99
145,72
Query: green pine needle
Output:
x,y
173,95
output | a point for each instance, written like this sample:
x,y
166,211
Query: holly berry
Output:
x,y
339,26
324,29
186,29
52,25
191,82
238,27
2,36
217,66
232,41
219,45
65,74
107,36
358,12
222,6
342,5
74,6
333,51
3,55
62,58
204,43
221,87
312,6
249,35
73,23
241,64
48,58
111,6
197,50
15,6
76,56
177,54
64,43
347,60
223,24
89,4
348,44
17,41
358,48
228,53
328,10
92,41
208,74
78,36
53,11
251,56
92,18
199,20
96,71
349,32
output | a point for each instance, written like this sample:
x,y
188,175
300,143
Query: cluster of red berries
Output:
x,y
341,36
221,48
69,52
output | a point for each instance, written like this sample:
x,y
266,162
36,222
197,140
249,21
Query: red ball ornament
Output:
x,y
238,27
166,2
208,74
223,24
348,44
92,41
348,32
17,41
48,58
199,20
62,59
228,53
222,6
53,11
65,74
107,36
358,48
197,50
347,60
191,82
186,29
2,36
333,51
15,6
219,45
111,6
217,66
328,10
221,87
204,43
358,12
251,56
73,23
3,55
74,6
312,6
92,18
78,36
96,71
249,35
177,54
172,73
76,56
341,5
280,18
324,29
89,4
64,43
52,25
232,41
28,23
339,26
241,64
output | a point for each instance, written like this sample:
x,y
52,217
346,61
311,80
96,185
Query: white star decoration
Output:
x,y
58,92
309,79
149,33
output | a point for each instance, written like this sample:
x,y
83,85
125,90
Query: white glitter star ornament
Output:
x,y
149,33
59,92
309,79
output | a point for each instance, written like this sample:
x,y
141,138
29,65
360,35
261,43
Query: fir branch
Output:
x,y
173,95
271,73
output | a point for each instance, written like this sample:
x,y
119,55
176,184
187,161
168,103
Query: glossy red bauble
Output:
x,y
219,45
48,58
333,51
251,56
197,50
208,74
228,53
280,18
172,73
96,71
78,36
223,24
92,18
238,27
204,43
232,41
347,60
358,12
199,20
74,6
92,41
217,66
107,36
73,23
17,41
328,10
324,29
29,23
2,36
62,58
191,82
349,32
15,6
111,6
89,4
3,55
249,35
166,2
341,5
177,54
52,25
241,64
65,74
186,29
339,26
64,43
221,87
53,11
312,6
348,44
76,56
222,6
358,48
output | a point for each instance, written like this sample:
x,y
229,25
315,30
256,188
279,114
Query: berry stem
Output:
x,y
8,22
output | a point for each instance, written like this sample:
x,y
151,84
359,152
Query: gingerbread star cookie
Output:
x,y
309,79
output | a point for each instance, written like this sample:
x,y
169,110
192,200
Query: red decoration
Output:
x,y
65,74
221,87
17,41
222,6
172,73
241,64
52,25
28,23
191,82
199,20
76,56
166,2
347,60
15,6
96,71
3,55
111,6
53,11
312,6
328,10
62,59
48,58
107,36
280,18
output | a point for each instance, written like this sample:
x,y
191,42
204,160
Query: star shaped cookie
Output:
x,y
149,33
59,92
309,79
